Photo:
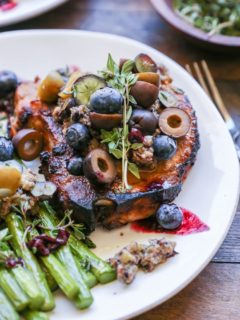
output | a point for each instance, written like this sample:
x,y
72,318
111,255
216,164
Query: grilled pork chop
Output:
x,y
89,204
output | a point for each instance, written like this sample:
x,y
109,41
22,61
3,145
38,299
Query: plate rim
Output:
x,y
69,32
30,14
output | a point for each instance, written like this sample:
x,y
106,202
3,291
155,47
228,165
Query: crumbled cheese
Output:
x,y
28,180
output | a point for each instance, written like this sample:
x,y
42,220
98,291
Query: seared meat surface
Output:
x,y
92,205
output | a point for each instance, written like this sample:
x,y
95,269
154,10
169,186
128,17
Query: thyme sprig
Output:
x,y
119,145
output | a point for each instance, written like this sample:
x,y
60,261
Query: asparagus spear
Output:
x,y
66,257
15,226
57,270
88,277
11,288
7,311
22,275
50,280
100,268
35,315
28,284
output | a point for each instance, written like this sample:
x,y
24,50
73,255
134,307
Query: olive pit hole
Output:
x,y
102,164
174,121
28,145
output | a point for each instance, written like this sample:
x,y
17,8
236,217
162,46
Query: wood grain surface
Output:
x,y
214,294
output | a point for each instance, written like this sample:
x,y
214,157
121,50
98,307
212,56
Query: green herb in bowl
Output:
x,y
211,16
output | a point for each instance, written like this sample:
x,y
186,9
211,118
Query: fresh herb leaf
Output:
x,y
111,65
129,113
128,66
133,168
132,100
136,146
116,153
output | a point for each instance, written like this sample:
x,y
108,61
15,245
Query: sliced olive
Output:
x,y
50,87
28,143
99,168
174,122
144,93
67,90
105,121
144,63
150,77
10,179
167,99
85,86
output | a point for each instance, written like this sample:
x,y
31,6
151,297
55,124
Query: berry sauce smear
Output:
x,y
6,5
191,224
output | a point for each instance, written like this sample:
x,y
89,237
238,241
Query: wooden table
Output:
x,y
214,294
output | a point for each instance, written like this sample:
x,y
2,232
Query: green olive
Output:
x,y
50,87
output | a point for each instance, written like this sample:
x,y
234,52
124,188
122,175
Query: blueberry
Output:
x,y
77,136
8,82
164,147
169,216
106,100
75,166
6,149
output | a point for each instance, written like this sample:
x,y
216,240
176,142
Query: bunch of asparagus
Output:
x,y
26,289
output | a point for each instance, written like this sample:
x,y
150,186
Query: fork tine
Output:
x,y
215,92
187,67
200,78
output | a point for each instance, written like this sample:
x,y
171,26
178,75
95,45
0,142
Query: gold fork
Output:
x,y
205,79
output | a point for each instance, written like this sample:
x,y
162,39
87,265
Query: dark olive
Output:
x,y
164,147
77,136
75,166
8,82
174,122
106,100
99,167
28,143
150,77
6,149
144,63
143,120
144,93
105,121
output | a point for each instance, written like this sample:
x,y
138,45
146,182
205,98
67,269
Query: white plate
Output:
x,y
27,9
211,190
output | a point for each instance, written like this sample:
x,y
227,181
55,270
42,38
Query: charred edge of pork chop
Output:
x,y
111,209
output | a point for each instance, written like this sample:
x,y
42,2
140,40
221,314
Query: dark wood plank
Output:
x,y
136,19
230,249
213,295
